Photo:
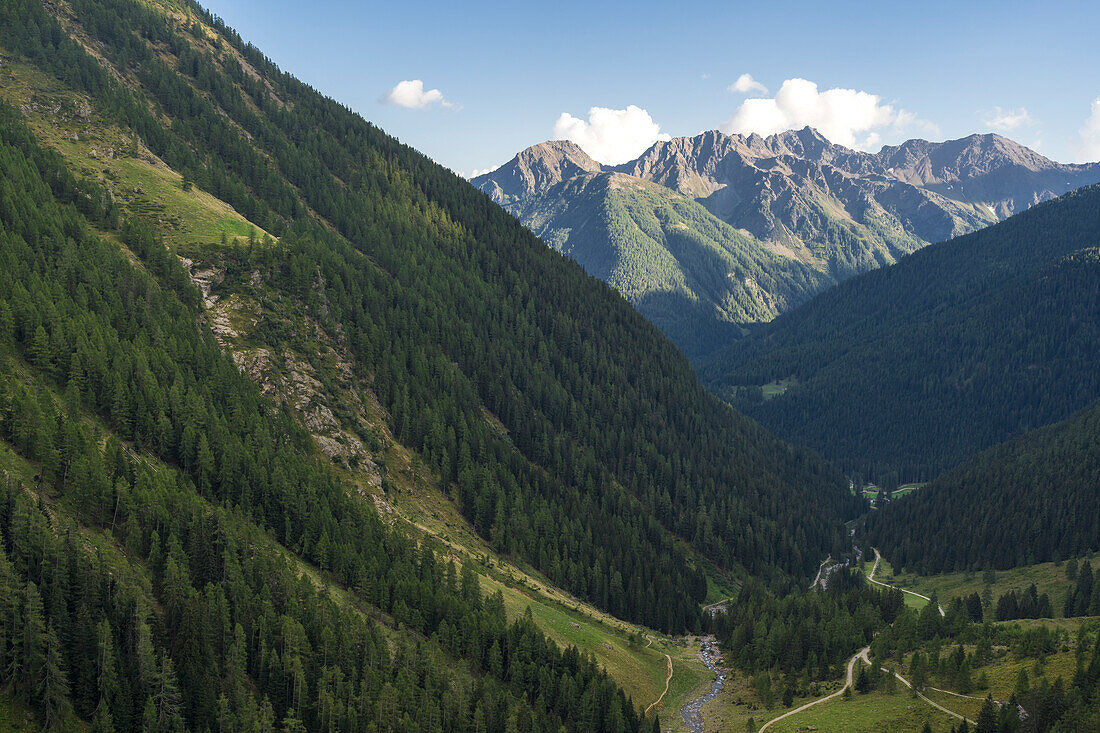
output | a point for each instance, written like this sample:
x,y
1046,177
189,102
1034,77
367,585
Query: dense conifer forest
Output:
x,y
1030,500
906,371
145,572
176,553
456,311
805,637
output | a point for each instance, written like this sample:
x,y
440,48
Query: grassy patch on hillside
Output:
x,y
777,388
719,589
142,184
874,712
906,489
690,678
636,663
1002,674
871,491
1048,577
885,574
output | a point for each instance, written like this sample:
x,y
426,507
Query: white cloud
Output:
x,y
479,172
845,116
1007,120
745,84
1088,147
611,136
412,95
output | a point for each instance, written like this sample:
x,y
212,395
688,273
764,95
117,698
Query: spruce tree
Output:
x,y
52,690
987,718
29,654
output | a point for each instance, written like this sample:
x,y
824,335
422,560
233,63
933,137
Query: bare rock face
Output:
x,y
287,375
256,364
936,190
206,278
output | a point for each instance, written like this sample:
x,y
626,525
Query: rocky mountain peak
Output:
x,y
536,169
784,187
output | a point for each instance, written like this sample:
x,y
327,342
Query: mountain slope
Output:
x,y
692,275
570,435
804,211
1030,500
172,552
959,347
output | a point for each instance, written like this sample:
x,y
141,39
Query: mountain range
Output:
x,y
301,431
710,234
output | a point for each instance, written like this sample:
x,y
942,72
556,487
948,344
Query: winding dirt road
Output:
x,y
871,579
861,654
936,705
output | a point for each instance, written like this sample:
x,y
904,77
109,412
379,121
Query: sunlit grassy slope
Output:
x,y
142,183
1048,577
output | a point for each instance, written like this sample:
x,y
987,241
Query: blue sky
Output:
x,y
506,71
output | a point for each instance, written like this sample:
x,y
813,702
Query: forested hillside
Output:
x,y
1031,500
148,495
906,371
571,435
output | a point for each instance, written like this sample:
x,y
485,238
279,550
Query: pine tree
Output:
x,y
106,665
149,717
39,350
1022,684
9,610
166,696
918,671
863,680
102,721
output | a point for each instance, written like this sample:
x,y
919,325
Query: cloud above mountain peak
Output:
x,y
1007,120
745,84
846,117
611,136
